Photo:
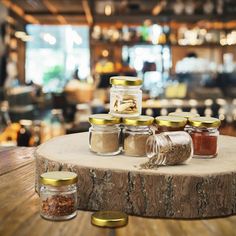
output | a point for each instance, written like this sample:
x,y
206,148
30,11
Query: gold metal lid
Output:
x,y
58,178
204,122
171,121
184,114
125,81
140,120
104,119
112,219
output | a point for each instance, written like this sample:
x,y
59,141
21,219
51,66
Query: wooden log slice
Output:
x,y
202,188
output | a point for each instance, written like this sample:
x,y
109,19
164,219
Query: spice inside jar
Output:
x,y
168,148
125,96
104,134
58,195
169,123
204,133
136,132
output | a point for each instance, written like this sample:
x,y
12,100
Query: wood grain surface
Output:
x,y
200,189
19,210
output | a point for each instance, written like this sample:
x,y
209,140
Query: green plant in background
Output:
x,y
55,72
53,79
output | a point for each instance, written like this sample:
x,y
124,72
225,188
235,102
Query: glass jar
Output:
x,y
186,115
24,135
58,195
57,123
136,132
169,148
5,120
125,96
204,133
169,123
104,134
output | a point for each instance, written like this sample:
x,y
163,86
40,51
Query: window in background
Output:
x,y
56,54
152,62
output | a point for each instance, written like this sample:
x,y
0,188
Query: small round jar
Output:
x,y
104,134
136,132
168,148
58,195
204,133
125,96
169,123
186,115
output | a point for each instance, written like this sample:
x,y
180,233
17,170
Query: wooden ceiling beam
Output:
x,y
20,12
87,11
60,18
41,13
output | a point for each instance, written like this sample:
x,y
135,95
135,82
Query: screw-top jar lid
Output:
x,y
104,119
111,219
125,81
184,114
171,121
204,122
58,178
138,121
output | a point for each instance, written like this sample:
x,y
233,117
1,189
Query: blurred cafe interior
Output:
x,y
57,56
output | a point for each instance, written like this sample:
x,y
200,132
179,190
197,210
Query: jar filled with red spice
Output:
x,y
169,123
204,133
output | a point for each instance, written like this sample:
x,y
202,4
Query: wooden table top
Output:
x,y
19,209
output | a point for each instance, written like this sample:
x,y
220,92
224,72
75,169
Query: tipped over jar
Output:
x,y
168,148
125,96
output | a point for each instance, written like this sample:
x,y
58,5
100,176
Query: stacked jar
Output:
x,y
106,136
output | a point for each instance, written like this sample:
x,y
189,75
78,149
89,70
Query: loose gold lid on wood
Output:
x,y
125,81
138,121
204,122
112,219
170,121
58,178
104,119
184,114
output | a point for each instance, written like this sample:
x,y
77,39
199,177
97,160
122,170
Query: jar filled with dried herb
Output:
x,y
204,133
136,132
125,96
104,134
168,148
58,195
169,123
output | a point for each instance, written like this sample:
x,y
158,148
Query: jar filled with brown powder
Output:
x,y
104,134
136,132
